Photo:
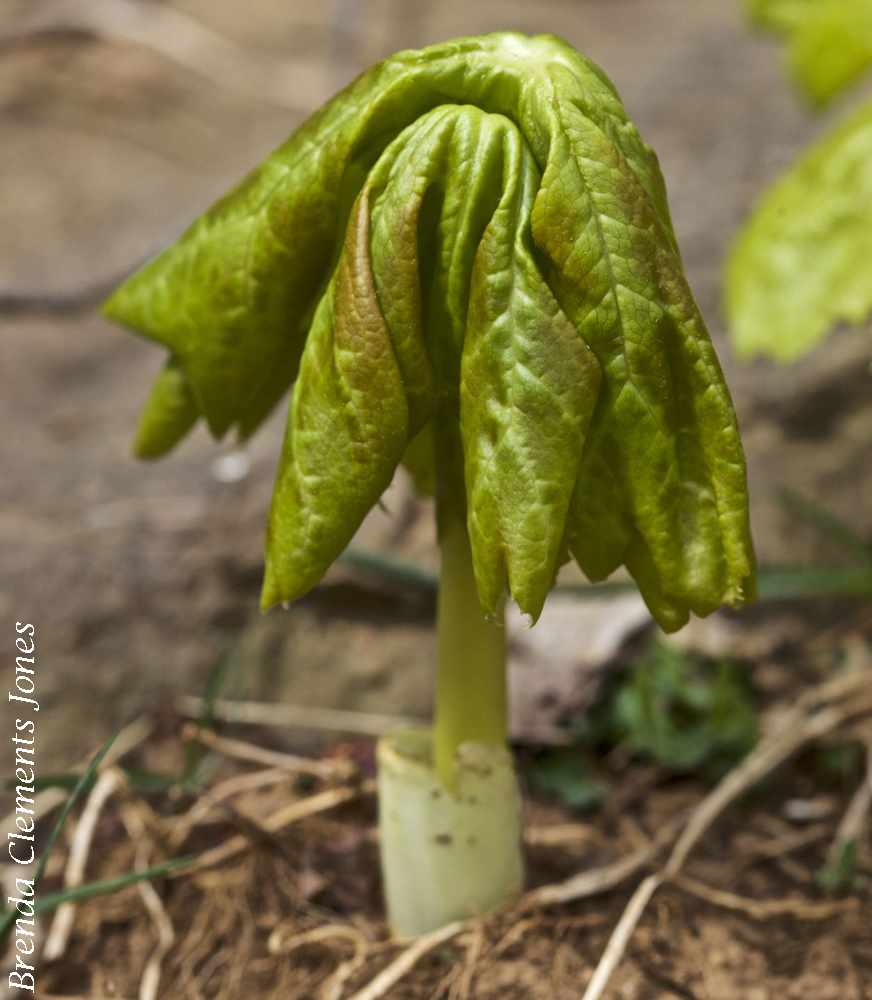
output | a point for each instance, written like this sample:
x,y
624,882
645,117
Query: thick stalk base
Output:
x,y
446,855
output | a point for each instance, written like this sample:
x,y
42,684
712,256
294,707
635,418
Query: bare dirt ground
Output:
x,y
139,578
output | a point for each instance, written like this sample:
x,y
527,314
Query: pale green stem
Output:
x,y
470,657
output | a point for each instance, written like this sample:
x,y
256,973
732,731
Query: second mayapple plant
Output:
x,y
802,263
463,262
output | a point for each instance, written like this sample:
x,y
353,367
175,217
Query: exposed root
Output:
x,y
331,720
598,880
107,785
562,833
271,758
130,737
766,909
279,944
406,961
462,989
151,976
277,821
207,805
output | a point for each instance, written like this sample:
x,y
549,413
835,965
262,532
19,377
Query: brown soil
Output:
x,y
296,912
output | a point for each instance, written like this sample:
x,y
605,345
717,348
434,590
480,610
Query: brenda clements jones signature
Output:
x,y
21,840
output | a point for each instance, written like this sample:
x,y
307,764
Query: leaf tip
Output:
x,y
270,591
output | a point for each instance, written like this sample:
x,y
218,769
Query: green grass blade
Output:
x,y
116,883
194,750
823,581
83,782
825,523
394,569
772,584
138,779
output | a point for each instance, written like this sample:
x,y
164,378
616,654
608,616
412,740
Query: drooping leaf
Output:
x,y
829,42
468,250
803,262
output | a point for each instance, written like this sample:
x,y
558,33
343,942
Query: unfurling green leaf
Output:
x,y
803,263
829,42
467,251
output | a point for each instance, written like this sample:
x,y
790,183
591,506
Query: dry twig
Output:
x,y
765,909
279,820
294,716
328,720
210,800
151,976
241,750
107,784
785,843
597,880
407,960
332,989
129,738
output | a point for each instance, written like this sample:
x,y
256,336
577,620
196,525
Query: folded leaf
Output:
x,y
465,261
803,262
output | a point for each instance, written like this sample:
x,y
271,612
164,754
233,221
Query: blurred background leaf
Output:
x,y
828,42
802,263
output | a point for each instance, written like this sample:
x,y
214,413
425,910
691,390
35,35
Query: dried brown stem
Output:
x,y
151,976
407,960
765,909
107,784
241,750
277,821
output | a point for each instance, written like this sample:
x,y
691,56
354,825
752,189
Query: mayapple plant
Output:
x,y
464,263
